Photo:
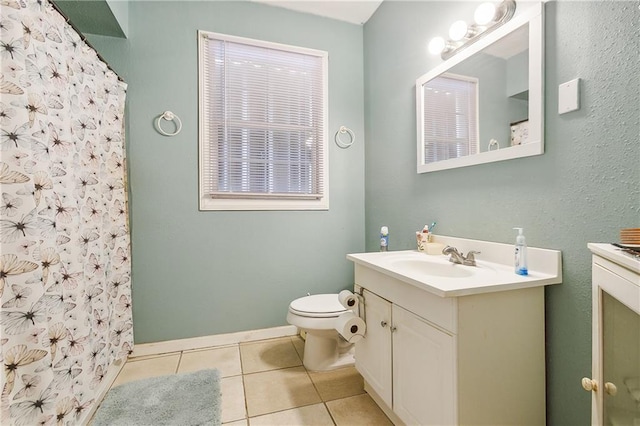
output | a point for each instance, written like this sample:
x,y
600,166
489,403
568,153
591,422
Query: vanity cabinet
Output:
x,y
418,350
421,351
374,352
615,377
431,360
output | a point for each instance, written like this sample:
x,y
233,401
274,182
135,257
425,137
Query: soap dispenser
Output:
x,y
384,238
521,254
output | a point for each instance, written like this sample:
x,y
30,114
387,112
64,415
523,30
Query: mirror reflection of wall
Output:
x,y
503,79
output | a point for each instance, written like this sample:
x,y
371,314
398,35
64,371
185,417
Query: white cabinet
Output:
x,y
615,376
422,351
374,352
418,350
431,360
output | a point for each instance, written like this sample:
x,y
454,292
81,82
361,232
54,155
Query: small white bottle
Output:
x,y
384,238
521,254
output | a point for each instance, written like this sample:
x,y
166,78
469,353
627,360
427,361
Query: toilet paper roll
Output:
x,y
350,326
348,300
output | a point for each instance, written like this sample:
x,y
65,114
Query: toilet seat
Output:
x,y
317,306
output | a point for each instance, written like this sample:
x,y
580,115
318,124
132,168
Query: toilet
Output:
x,y
331,330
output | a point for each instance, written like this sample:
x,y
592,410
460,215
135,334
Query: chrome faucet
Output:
x,y
456,257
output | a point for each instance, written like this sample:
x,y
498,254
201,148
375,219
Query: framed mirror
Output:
x,y
484,103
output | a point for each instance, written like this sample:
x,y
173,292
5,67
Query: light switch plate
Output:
x,y
569,96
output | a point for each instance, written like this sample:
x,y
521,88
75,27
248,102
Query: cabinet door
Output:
x,y
373,352
423,371
620,362
616,345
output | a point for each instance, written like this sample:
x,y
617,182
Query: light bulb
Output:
x,y
484,13
458,30
436,45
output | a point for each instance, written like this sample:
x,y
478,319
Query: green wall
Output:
x,y
493,106
203,273
583,189
120,10
97,16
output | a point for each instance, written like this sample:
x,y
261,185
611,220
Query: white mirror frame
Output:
x,y
533,16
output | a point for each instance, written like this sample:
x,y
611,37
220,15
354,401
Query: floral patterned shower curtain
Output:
x,y
64,265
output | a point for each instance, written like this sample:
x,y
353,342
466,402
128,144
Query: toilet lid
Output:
x,y
318,305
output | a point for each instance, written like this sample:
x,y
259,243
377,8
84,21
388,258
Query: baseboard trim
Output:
x,y
112,373
158,348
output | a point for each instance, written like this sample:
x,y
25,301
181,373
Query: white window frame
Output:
x,y
240,201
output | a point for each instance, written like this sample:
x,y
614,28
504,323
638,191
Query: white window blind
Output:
x,y
263,114
450,117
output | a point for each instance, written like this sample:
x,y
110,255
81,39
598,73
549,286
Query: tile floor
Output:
x,y
265,383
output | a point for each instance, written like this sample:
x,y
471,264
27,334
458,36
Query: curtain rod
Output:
x,y
84,39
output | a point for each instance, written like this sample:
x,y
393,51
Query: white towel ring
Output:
x,y
339,141
169,116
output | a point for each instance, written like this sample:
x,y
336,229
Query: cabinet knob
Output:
x,y
610,388
393,329
383,324
589,384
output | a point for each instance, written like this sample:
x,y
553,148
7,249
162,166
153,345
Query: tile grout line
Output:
x,y
290,409
273,369
326,407
179,362
329,411
280,369
244,387
324,403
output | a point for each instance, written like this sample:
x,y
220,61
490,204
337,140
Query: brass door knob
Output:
x,y
610,389
589,384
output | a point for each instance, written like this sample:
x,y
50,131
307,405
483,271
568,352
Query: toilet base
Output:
x,y
325,350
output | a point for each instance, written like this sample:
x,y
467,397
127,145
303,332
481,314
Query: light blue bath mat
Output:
x,y
181,399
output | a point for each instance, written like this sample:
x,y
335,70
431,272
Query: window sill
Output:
x,y
221,204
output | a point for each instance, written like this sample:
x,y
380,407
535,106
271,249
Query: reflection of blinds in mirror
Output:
x,y
450,117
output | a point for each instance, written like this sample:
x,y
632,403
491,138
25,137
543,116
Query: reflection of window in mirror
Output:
x,y
450,117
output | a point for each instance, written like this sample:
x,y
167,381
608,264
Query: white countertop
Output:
x,y
486,277
615,255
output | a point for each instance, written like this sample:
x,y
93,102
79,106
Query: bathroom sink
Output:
x,y
435,274
423,266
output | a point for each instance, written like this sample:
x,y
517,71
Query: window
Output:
x,y
450,117
263,113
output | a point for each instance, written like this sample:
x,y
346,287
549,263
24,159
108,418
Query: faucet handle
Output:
x,y
470,256
471,253
449,249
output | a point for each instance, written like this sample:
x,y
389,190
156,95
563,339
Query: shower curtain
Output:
x,y
65,263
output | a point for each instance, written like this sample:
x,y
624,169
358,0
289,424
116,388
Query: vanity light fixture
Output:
x,y
487,17
458,30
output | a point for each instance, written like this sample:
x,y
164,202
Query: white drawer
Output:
x,y
440,311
